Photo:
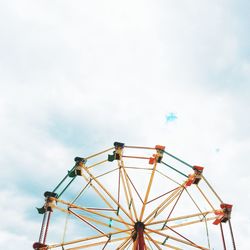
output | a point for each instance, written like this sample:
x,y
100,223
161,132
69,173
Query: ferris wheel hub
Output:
x,y
139,226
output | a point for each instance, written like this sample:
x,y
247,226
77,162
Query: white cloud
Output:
x,y
10,241
98,72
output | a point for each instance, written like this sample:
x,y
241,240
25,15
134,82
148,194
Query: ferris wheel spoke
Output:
x,y
194,202
129,179
162,209
108,225
149,244
205,197
94,237
186,241
171,211
148,191
165,245
73,206
161,195
125,243
191,222
128,194
127,182
84,220
167,177
181,217
96,244
130,243
153,241
105,200
209,185
162,206
107,193
81,192
107,217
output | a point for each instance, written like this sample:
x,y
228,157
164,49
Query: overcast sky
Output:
x,y
75,76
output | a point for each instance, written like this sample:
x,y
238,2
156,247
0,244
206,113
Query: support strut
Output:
x,y
138,236
43,233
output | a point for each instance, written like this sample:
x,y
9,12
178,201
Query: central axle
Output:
x,y
138,236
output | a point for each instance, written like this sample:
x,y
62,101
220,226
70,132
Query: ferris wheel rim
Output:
x,y
82,169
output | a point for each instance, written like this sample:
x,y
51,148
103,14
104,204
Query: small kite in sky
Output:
x,y
170,117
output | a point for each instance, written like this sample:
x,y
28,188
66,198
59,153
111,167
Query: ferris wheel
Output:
x,y
134,197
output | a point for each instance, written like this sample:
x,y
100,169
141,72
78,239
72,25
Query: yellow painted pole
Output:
x,y
205,197
103,198
167,245
91,211
86,239
218,197
107,192
177,239
191,222
153,241
102,152
148,191
129,190
95,244
181,217
173,194
126,192
96,164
